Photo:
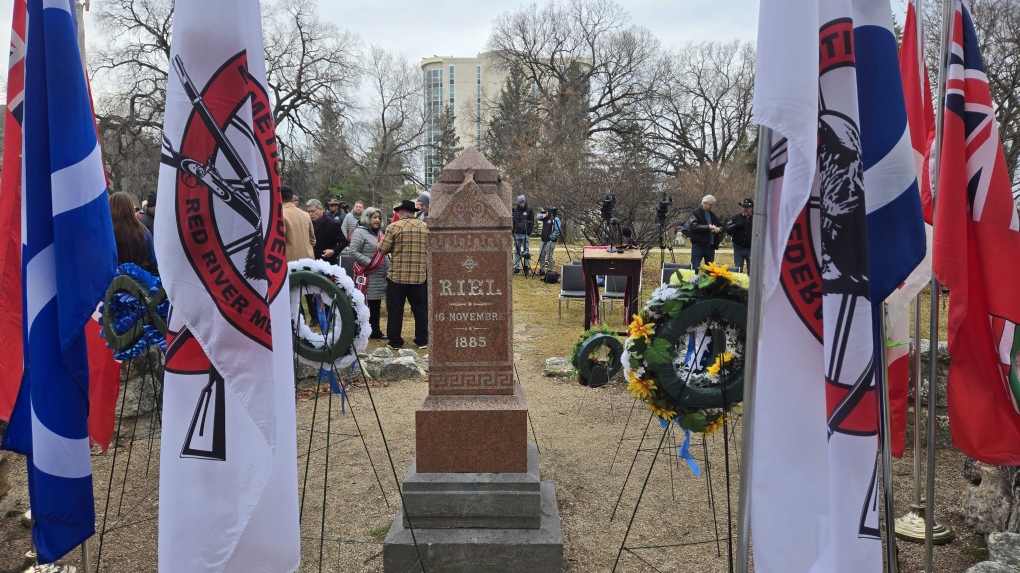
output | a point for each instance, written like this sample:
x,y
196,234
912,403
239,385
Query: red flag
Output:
x,y
921,119
920,109
977,230
11,348
104,385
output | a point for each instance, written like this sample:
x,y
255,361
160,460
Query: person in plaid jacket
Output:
x,y
405,280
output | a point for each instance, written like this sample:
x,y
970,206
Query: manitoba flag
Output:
x,y
11,354
977,240
228,473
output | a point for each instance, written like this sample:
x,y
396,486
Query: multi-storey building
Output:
x,y
461,86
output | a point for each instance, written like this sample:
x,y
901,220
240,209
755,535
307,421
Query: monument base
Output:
x,y
479,550
472,433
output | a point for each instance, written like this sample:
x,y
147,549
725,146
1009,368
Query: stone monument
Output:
x,y
473,496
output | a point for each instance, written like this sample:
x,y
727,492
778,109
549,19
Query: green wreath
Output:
x,y
684,356
121,341
590,370
306,282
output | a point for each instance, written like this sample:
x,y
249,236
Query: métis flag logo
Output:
x,y
69,257
977,236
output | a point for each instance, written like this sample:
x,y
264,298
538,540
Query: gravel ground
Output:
x,y
578,431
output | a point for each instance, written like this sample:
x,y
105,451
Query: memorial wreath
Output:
x,y
684,356
591,369
134,313
343,327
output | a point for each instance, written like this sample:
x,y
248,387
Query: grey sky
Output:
x,y
461,27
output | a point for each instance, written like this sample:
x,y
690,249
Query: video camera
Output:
x,y
608,206
663,209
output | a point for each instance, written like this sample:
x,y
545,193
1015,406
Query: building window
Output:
x,y
433,107
478,102
452,106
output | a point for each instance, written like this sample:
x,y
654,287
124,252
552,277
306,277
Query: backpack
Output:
x,y
551,277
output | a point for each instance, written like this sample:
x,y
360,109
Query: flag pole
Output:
x,y
79,16
933,375
885,424
755,269
911,526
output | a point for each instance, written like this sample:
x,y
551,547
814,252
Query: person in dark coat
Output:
x,y
523,223
335,212
739,227
329,238
706,229
149,216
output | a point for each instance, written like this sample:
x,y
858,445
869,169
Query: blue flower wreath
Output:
x,y
135,298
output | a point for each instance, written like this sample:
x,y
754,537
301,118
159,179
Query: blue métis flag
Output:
x,y
896,236
68,257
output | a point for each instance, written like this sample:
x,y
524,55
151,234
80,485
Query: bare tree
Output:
x,y
699,112
997,23
584,47
308,61
390,128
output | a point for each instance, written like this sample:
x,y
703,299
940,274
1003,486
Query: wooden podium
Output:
x,y
601,262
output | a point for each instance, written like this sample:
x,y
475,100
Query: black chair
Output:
x,y
571,285
347,264
669,269
616,289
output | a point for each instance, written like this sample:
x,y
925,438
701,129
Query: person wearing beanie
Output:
x,y
423,206
149,215
523,223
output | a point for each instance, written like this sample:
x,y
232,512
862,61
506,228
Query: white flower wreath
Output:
x,y
355,298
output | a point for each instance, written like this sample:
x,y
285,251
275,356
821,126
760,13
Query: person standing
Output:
x,y
405,279
134,241
351,220
298,225
329,240
335,212
370,265
551,226
523,223
423,206
739,227
149,213
705,229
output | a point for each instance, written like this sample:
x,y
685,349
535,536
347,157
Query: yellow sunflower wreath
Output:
x,y
684,356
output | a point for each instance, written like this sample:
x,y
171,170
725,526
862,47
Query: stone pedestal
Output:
x,y
478,434
473,498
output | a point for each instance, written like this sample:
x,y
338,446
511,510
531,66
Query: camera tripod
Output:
x,y
612,233
665,244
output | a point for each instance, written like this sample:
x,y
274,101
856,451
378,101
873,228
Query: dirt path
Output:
x,y
578,431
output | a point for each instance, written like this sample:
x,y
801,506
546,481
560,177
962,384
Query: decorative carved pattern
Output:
x,y
471,380
479,241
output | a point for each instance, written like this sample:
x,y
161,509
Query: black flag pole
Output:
x,y
760,224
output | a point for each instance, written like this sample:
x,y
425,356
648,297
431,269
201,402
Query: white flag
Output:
x,y
228,474
814,498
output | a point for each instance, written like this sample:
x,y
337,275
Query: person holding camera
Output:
x,y
706,228
551,226
523,223
739,227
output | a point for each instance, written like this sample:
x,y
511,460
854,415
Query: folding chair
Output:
x,y
571,285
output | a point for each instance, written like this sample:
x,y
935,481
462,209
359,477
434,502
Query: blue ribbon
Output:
x,y
684,451
335,386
